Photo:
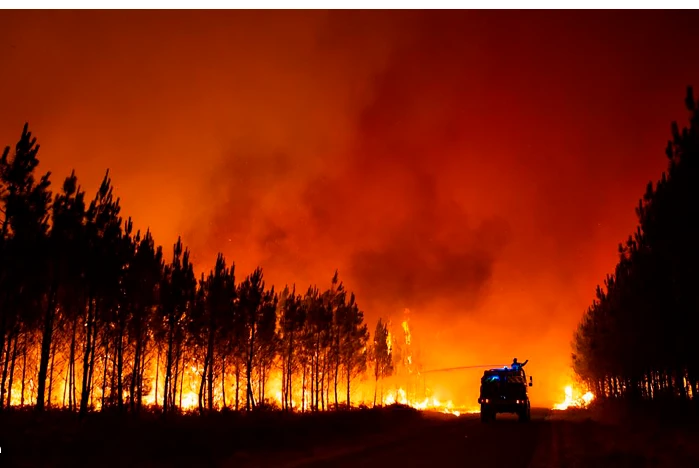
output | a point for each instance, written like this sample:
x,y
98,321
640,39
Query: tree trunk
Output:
x,y
202,385
175,378
349,376
24,370
71,363
85,390
157,376
327,382
120,368
289,387
250,397
12,372
656,384
327,376
210,379
324,383
289,371
105,365
223,381
679,379
317,374
70,384
113,379
53,358
91,387
260,380
135,373
141,370
237,384
181,383
312,378
46,347
65,386
168,366
376,386
5,367
303,389
284,382
74,386
337,372
263,378
3,326
210,359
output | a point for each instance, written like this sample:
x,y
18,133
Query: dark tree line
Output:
x,y
92,315
638,339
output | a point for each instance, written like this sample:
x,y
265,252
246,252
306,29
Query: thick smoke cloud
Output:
x,y
413,272
379,208
476,167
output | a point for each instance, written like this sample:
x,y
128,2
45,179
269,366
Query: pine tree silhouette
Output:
x,y
637,339
90,311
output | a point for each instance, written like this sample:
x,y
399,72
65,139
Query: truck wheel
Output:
x,y
524,415
487,415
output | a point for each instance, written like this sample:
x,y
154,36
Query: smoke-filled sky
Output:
x,y
478,168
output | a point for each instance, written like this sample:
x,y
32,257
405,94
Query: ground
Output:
x,y
388,437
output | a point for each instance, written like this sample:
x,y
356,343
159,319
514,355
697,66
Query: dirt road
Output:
x,y
550,440
373,438
458,443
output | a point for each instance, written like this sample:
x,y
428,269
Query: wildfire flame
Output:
x,y
405,386
400,395
406,330
572,401
428,404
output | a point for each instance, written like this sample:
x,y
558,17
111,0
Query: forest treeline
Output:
x,y
638,339
92,315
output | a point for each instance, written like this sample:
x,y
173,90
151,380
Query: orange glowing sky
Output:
x,y
477,167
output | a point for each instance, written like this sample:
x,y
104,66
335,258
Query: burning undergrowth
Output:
x,y
575,398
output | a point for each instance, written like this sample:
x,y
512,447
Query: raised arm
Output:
x,y
524,363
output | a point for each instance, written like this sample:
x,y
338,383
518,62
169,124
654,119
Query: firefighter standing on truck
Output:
x,y
517,366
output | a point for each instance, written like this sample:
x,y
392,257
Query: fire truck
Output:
x,y
504,390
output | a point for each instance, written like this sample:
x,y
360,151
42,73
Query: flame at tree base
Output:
x,y
428,404
187,385
572,401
